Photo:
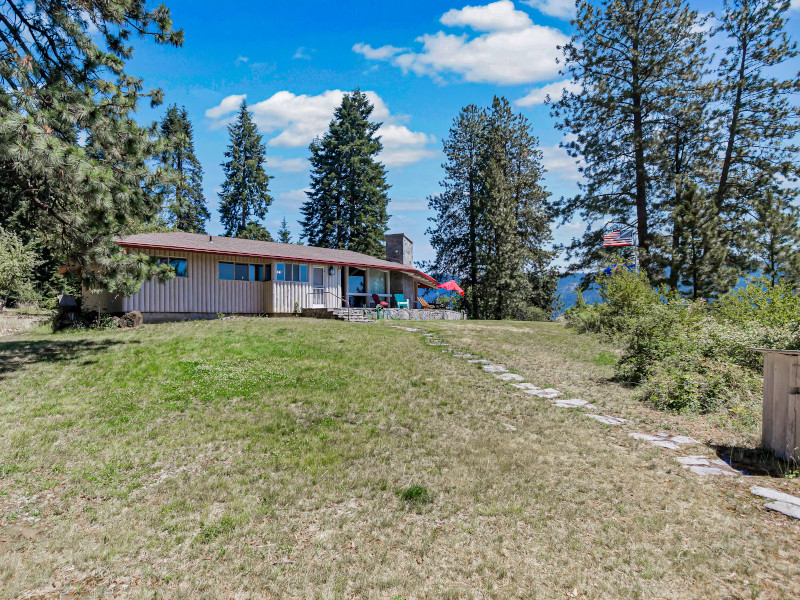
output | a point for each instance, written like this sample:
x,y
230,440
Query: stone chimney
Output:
x,y
400,249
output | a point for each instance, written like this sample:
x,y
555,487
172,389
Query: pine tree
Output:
x,y
758,119
63,80
182,199
492,224
347,203
627,56
776,235
456,235
517,221
284,235
245,192
255,231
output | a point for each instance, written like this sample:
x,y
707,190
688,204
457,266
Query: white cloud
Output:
x,y
382,53
554,90
795,4
287,165
514,50
294,120
560,164
561,9
302,53
497,16
227,106
241,59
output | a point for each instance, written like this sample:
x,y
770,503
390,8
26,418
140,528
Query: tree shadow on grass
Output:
x,y
755,461
15,356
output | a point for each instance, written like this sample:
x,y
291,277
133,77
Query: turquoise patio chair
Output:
x,y
401,301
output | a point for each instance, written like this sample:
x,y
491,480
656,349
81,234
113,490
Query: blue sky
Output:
x,y
420,62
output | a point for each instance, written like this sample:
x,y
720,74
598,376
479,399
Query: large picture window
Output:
x,y
244,272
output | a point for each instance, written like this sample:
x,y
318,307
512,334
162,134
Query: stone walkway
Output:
x,y
699,464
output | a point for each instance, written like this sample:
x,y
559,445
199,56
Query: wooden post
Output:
x,y
780,429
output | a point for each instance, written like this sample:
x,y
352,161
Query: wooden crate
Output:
x,y
780,431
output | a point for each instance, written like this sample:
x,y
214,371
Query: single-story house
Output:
x,y
216,274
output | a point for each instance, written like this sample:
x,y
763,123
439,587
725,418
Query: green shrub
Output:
x,y
416,494
760,302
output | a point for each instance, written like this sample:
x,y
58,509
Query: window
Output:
x,y
285,272
377,282
225,270
355,283
242,272
179,264
318,277
267,272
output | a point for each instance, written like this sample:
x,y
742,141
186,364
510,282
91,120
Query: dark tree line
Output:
x,y
696,153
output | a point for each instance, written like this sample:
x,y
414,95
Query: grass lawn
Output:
x,y
296,458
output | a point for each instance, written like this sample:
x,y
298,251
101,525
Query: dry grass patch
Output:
x,y
295,458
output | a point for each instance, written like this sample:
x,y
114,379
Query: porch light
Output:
x,y
331,271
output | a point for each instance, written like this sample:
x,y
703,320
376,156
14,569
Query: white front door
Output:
x,y
318,285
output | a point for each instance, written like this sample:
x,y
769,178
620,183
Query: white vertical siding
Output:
x,y
287,293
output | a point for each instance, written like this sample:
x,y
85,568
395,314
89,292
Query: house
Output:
x,y
216,274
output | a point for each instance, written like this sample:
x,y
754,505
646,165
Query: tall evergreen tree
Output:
x,y
63,80
182,199
517,221
245,192
347,203
255,231
284,235
492,226
627,56
458,207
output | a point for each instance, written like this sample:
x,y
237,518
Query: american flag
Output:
x,y
615,238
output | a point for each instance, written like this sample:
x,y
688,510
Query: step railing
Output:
x,y
337,296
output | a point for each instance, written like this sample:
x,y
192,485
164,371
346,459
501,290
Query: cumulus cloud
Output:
x,y
512,49
561,9
554,90
227,106
498,16
294,120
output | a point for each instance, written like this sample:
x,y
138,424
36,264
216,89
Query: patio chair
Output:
x,y
424,304
379,302
401,301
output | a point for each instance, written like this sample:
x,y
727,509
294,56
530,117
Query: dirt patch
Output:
x,y
16,537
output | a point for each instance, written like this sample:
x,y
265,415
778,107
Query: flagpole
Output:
x,y
636,251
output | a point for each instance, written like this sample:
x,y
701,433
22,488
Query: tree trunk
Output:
x,y
737,107
641,174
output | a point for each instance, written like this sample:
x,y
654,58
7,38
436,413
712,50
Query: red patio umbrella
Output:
x,y
452,286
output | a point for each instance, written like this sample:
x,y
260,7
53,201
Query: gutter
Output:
x,y
403,268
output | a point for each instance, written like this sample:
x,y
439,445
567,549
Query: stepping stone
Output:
x,y
460,355
510,377
775,495
480,361
495,369
790,510
573,403
525,386
665,444
437,344
711,471
608,420
694,461
545,393
682,439
509,427
646,437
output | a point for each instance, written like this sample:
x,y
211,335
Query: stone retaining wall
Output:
x,y
415,314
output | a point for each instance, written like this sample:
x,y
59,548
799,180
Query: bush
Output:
x,y
692,356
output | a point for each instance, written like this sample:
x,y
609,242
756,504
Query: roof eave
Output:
x,y
424,278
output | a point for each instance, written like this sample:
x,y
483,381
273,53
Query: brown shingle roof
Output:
x,y
196,242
